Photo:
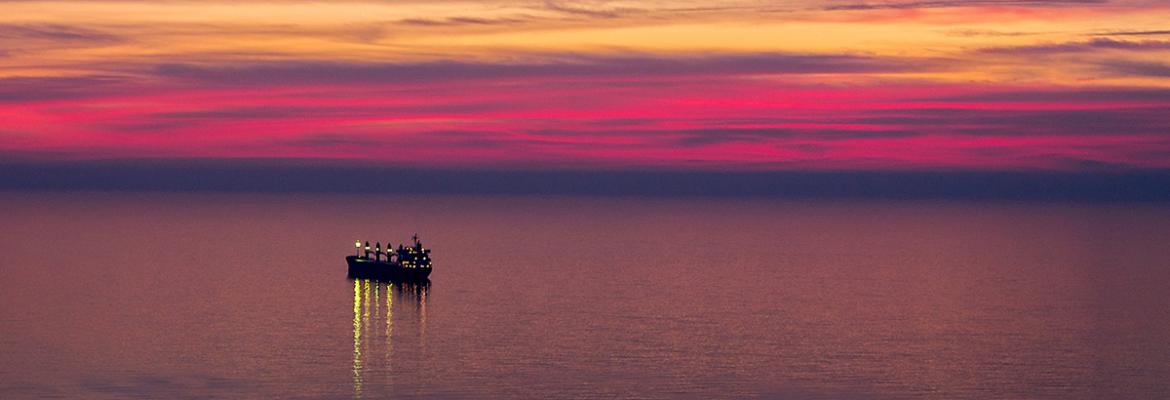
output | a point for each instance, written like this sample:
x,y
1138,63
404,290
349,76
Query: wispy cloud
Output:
x,y
462,21
968,32
1098,96
584,9
1137,68
1084,46
26,89
580,67
55,32
1133,33
894,4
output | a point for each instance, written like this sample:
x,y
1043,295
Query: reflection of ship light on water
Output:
x,y
363,326
357,338
389,329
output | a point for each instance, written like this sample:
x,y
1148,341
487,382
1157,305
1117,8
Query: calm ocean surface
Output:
x,y
155,295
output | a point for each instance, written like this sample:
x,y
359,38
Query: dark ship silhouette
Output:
x,y
406,264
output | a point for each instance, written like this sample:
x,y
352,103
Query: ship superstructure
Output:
x,y
406,263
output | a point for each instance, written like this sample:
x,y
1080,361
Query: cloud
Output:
x,y
461,21
25,89
1078,96
321,111
318,111
707,137
1084,180
956,3
1077,47
574,67
1132,33
319,140
582,9
1111,122
1114,121
985,32
450,139
55,32
700,137
1137,68
288,118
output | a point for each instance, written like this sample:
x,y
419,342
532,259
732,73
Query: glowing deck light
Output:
x,y
357,244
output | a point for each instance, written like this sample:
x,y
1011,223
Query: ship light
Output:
x,y
357,244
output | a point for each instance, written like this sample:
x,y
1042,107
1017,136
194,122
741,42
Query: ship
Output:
x,y
404,264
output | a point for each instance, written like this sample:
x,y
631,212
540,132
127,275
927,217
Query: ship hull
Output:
x,y
364,268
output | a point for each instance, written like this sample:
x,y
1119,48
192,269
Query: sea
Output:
x,y
159,295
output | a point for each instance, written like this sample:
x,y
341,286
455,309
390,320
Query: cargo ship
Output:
x,y
404,264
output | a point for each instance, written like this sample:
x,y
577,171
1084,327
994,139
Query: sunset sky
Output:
x,y
985,85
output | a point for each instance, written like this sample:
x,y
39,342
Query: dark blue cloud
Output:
x,y
317,111
572,67
1085,46
1075,122
1133,33
1062,96
1099,184
1148,69
901,4
56,32
461,21
24,89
